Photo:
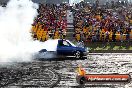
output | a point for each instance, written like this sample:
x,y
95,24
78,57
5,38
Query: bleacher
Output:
x,y
51,22
96,24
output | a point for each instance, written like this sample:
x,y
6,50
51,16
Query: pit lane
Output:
x,y
60,74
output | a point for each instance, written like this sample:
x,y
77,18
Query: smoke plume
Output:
x,y
16,43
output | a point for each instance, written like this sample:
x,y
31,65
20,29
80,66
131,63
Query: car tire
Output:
x,y
77,54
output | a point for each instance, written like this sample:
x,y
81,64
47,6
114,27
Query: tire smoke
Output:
x,y
16,43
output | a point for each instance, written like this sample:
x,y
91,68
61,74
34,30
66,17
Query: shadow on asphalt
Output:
x,y
59,59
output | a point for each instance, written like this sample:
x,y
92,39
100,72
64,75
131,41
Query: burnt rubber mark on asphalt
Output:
x,y
9,76
33,76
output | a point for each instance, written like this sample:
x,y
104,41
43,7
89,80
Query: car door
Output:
x,y
65,49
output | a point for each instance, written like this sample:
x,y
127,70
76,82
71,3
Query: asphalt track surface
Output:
x,y
62,73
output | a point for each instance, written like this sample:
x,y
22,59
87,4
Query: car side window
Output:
x,y
65,43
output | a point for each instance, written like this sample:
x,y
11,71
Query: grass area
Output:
x,y
94,46
110,46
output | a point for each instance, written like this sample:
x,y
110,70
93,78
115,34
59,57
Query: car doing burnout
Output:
x,y
66,49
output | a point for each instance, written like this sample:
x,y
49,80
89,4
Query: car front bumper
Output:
x,y
85,53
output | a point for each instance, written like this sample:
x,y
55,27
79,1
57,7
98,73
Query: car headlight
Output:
x,y
86,49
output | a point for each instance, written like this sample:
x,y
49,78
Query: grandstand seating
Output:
x,y
90,24
50,18
101,24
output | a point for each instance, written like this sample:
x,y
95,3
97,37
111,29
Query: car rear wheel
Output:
x,y
77,54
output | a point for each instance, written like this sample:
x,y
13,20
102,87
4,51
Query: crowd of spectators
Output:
x,y
92,22
110,22
51,22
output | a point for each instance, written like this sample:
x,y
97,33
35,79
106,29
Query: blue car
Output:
x,y
66,49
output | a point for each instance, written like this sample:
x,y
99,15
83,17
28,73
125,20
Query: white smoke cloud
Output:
x,y
16,43
74,1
